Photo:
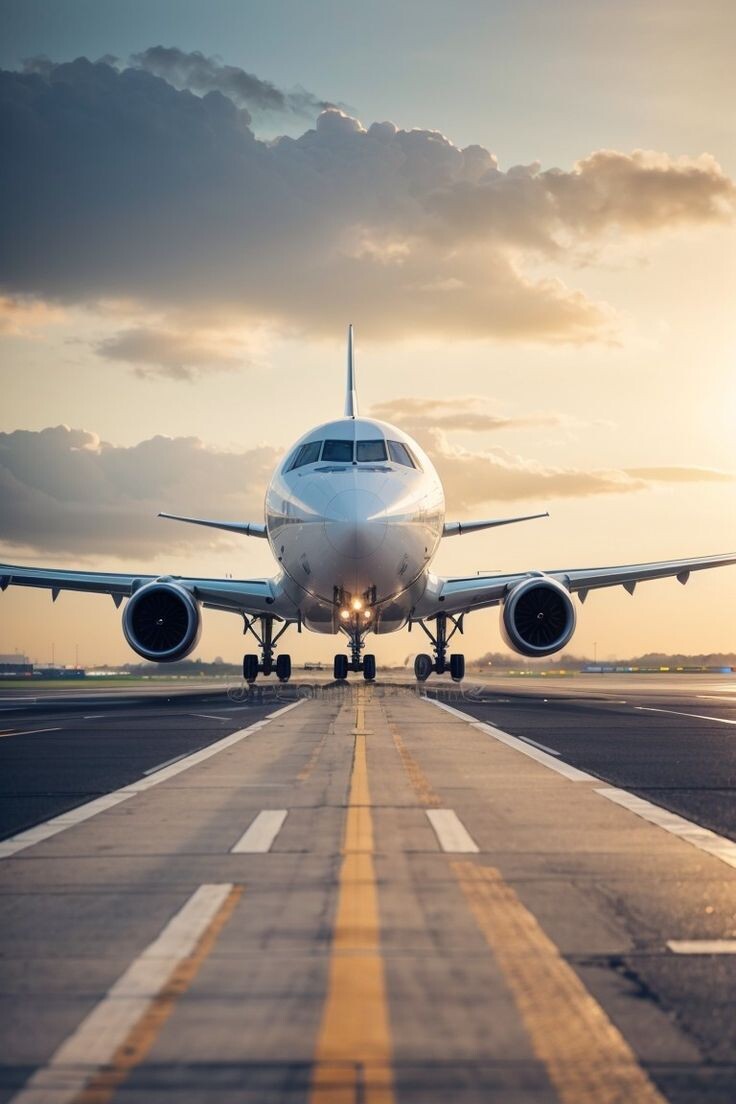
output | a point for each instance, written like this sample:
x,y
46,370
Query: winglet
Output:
x,y
351,395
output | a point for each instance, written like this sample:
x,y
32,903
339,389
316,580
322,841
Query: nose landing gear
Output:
x,y
355,632
252,665
425,665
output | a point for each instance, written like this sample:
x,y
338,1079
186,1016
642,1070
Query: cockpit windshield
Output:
x,y
373,451
400,454
338,452
366,451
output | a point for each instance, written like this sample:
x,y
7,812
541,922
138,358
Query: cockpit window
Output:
x,y
400,454
340,452
370,450
307,454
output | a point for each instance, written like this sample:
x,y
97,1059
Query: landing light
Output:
x,y
367,615
344,613
357,604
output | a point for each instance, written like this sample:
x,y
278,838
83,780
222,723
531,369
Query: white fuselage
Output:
x,y
355,513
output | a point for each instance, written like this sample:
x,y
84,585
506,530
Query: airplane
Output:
x,y
354,515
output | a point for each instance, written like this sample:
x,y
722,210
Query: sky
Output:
x,y
527,211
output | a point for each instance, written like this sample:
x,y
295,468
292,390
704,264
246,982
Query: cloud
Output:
x,y
117,185
475,477
681,475
198,73
461,412
176,355
21,317
472,479
65,491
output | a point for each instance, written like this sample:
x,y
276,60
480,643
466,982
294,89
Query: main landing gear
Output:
x,y
425,665
252,665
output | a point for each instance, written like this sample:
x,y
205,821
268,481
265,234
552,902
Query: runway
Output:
x,y
524,894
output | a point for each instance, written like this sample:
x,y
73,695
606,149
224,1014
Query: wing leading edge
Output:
x,y
458,595
236,595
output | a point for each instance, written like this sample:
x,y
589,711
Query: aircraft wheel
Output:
x,y
250,668
341,667
457,667
283,668
423,667
369,668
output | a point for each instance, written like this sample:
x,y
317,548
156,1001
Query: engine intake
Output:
x,y
162,622
538,617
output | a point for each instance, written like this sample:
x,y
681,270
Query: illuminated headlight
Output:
x,y
345,614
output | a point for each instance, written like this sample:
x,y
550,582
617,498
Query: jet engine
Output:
x,y
162,622
538,617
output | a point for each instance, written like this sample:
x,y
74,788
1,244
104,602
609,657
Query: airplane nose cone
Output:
x,y
353,523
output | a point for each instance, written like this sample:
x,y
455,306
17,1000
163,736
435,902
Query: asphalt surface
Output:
x,y
58,750
364,897
671,739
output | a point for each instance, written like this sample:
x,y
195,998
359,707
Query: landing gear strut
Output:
x,y
355,632
266,640
424,665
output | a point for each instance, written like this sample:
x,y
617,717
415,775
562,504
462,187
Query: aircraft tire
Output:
x,y
250,668
369,668
283,668
423,667
457,667
340,669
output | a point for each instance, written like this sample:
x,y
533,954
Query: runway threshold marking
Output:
x,y
451,833
352,1059
260,835
115,1037
678,713
48,828
702,946
545,758
702,838
586,1057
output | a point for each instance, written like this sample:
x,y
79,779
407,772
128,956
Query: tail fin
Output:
x,y
351,395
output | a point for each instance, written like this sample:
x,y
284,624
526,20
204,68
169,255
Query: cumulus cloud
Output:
x,y
115,184
176,355
475,477
198,73
462,412
65,491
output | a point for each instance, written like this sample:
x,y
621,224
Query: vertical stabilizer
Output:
x,y
351,395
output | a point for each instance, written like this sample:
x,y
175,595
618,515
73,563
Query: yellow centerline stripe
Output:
x,y
102,1087
352,1060
418,779
586,1056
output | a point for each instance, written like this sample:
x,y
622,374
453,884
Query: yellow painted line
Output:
x,y
586,1057
352,1060
141,1038
419,781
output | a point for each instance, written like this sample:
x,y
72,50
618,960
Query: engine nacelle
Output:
x,y
538,617
162,622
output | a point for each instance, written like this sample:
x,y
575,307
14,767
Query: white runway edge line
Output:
x,y
677,713
31,836
702,946
543,757
259,837
452,834
702,838
110,1022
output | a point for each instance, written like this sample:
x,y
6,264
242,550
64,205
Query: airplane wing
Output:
x,y
461,595
236,595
